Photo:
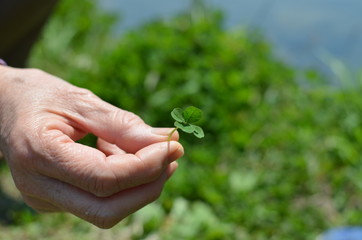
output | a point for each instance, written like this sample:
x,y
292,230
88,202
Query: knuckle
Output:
x,y
106,223
102,187
102,192
128,119
96,188
102,217
82,97
85,93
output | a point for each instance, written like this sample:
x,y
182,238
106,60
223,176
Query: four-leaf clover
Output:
x,y
186,119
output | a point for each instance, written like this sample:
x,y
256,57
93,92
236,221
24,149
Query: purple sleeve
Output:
x,y
2,62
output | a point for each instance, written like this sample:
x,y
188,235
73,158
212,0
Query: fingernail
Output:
x,y
162,131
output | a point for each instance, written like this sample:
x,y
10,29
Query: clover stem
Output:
x,y
171,133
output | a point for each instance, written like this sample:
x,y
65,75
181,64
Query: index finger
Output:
x,y
91,170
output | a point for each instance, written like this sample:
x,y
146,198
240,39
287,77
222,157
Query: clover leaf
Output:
x,y
186,119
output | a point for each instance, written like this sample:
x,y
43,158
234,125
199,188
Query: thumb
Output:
x,y
123,128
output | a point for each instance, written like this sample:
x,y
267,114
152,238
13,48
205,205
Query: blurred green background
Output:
x,y
281,157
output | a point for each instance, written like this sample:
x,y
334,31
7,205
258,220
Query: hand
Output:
x,y
42,117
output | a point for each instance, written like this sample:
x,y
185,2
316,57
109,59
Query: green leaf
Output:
x,y
185,127
192,114
198,132
177,114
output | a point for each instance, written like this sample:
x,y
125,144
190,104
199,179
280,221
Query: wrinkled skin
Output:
x,y
41,119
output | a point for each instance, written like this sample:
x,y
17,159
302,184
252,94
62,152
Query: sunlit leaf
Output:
x,y
192,114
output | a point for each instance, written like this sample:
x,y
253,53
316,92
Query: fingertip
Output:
x,y
175,136
172,169
176,151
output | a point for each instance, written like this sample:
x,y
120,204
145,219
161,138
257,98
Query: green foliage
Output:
x,y
281,160
185,119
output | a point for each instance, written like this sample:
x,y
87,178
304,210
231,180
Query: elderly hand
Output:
x,y
42,117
